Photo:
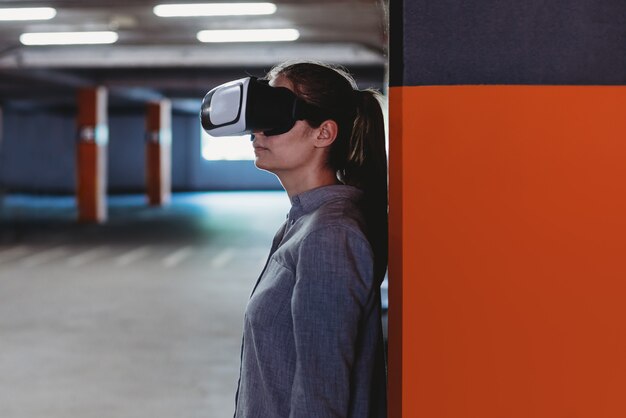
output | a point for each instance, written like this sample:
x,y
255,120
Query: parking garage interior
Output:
x,y
138,313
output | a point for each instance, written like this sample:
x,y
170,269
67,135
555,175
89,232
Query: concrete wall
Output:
x,y
37,154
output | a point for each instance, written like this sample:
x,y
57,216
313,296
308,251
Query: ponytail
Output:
x,y
366,168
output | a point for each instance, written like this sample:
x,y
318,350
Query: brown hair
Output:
x,y
358,154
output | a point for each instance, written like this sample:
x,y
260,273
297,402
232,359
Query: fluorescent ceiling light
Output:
x,y
214,9
248,35
27,13
68,38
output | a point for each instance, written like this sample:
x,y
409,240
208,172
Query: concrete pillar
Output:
x,y
507,210
93,136
159,152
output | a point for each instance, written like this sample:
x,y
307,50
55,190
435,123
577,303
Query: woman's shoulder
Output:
x,y
341,216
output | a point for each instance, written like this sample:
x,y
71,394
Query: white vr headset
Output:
x,y
250,105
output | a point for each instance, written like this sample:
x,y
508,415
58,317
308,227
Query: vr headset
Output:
x,y
250,105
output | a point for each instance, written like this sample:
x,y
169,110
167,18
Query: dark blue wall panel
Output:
x,y
37,154
126,152
564,42
38,151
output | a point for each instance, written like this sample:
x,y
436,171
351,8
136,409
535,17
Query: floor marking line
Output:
x,y
177,256
87,256
44,256
223,258
132,256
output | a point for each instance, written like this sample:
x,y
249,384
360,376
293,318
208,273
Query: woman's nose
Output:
x,y
255,134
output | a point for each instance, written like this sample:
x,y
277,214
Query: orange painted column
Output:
x,y
159,152
93,136
508,252
395,388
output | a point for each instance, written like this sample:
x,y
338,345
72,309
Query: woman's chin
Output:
x,y
258,162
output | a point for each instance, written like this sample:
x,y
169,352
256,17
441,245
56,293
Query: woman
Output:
x,y
312,343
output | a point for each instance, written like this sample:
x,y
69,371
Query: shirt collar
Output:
x,y
310,200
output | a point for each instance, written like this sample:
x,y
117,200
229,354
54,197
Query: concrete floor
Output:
x,y
140,317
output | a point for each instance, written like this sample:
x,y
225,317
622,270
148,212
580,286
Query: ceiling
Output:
x,y
161,57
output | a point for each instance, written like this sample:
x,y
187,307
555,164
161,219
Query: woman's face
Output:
x,y
288,152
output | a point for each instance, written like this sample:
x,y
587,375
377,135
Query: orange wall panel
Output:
x,y
513,250
394,314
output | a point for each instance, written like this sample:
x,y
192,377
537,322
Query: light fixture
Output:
x,y
27,13
214,9
68,38
248,35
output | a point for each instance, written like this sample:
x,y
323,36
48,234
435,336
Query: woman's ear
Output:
x,y
326,133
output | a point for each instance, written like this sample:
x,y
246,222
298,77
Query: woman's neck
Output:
x,y
296,184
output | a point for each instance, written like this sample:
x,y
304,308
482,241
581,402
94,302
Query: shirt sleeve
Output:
x,y
334,277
